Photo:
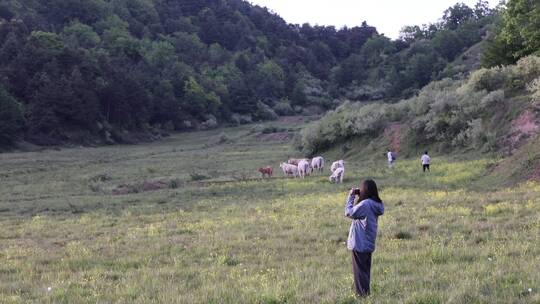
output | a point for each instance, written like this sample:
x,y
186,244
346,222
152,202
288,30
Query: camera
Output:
x,y
356,191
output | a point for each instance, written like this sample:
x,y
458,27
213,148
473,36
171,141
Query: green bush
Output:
x,y
283,107
513,77
264,112
366,92
488,79
240,119
11,117
492,99
528,68
421,104
474,134
349,119
534,89
210,122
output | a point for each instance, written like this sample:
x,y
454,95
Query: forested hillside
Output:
x,y
493,109
91,71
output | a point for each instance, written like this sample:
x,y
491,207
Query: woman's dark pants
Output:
x,y
361,263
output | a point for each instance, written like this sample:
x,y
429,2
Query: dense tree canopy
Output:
x,y
11,117
103,65
518,34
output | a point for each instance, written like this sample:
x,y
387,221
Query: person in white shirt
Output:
x,y
425,161
391,159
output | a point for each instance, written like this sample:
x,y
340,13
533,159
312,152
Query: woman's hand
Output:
x,y
351,193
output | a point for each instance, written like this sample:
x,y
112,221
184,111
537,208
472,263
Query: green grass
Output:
x,y
446,237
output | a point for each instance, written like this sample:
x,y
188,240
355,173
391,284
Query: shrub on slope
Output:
x,y
474,113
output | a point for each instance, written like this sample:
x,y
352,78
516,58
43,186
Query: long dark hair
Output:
x,y
368,189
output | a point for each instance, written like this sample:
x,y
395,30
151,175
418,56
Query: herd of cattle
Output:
x,y
304,167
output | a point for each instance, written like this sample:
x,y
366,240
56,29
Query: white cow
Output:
x,y
294,161
317,163
304,169
289,170
337,175
337,164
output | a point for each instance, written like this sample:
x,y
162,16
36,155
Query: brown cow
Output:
x,y
266,171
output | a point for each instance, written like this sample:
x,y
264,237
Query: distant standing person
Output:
x,y
425,161
363,232
391,158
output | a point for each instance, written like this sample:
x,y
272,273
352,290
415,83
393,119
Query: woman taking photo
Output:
x,y
363,231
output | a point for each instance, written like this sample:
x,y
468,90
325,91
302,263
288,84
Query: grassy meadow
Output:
x,y
218,234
